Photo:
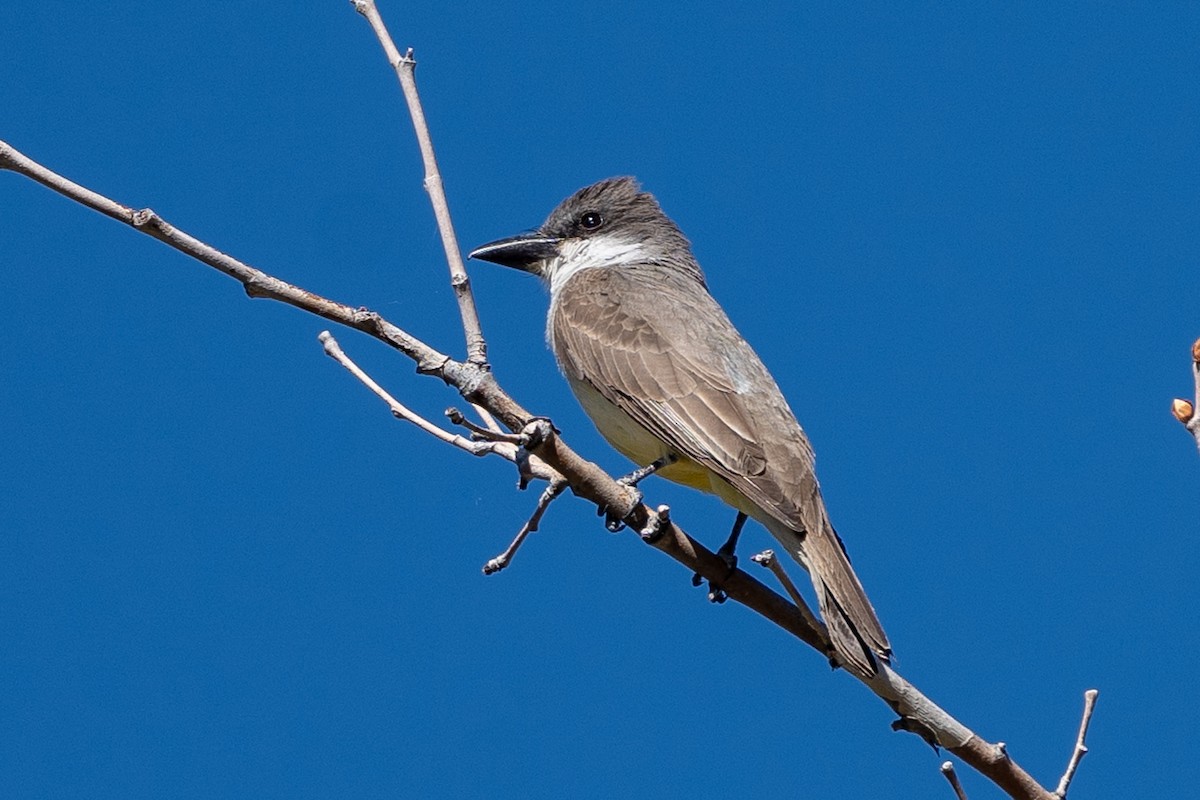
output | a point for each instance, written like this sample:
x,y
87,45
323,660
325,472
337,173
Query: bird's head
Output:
x,y
612,223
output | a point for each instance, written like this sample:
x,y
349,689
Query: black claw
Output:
x,y
728,555
614,523
716,594
611,521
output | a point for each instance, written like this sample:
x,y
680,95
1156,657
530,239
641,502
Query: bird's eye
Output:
x,y
591,220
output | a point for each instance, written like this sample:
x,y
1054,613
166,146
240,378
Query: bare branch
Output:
x,y
256,282
1089,705
405,67
549,494
952,776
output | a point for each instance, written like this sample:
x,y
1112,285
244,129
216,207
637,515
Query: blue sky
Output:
x,y
964,240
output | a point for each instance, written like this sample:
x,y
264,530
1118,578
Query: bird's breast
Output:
x,y
635,442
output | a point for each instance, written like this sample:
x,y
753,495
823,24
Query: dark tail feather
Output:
x,y
854,628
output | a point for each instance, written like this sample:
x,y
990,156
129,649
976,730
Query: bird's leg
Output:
x,y
728,554
728,551
640,474
632,480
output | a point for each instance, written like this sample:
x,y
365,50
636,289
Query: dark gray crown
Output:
x,y
616,206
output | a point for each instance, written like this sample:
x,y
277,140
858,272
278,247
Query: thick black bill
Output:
x,y
518,252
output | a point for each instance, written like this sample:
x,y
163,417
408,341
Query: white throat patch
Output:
x,y
580,254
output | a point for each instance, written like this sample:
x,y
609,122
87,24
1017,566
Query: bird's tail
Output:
x,y
854,629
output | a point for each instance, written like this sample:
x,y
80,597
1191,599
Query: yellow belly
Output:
x,y
642,448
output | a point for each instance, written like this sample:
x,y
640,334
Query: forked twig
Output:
x,y
405,67
507,450
548,495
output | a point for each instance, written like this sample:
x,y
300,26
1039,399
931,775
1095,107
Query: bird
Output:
x,y
670,383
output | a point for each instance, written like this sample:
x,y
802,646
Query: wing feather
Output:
x,y
686,382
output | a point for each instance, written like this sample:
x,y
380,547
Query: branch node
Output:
x,y
432,366
537,431
657,522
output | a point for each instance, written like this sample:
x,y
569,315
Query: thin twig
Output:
x,y
405,67
1089,705
767,559
489,421
548,495
506,450
479,432
952,776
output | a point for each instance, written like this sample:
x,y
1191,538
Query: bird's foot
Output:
x,y
716,590
612,521
728,554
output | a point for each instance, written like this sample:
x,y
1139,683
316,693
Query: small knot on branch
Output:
x,y
537,431
656,524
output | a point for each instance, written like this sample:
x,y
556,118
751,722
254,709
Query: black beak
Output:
x,y
519,252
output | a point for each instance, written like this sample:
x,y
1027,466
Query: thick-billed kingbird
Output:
x,y
668,380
